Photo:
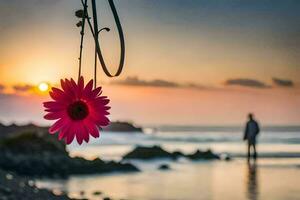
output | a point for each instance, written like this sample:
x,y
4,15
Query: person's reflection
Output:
x,y
252,187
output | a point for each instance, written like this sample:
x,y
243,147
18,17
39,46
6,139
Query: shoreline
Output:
x,y
188,180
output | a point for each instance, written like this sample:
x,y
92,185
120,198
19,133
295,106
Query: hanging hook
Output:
x,y
121,36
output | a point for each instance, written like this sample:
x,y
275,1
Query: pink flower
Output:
x,y
79,110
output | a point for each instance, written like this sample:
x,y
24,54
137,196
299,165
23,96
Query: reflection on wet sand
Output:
x,y
252,182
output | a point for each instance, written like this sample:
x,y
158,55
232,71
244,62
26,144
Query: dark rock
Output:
x,y
97,193
107,198
43,155
164,167
203,155
122,127
32,143
80,199
146,153
226,157
13,129
5,190
7,131
177,154
13,190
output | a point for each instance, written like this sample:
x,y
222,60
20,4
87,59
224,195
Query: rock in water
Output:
x,y
122,127
155,152
164,167
146,153
96,193
203,155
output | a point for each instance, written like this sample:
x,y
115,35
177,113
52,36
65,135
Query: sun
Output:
x,y
43,87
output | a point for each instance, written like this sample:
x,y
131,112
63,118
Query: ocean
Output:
x,y
275,175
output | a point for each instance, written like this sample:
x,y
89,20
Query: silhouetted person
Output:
x,y
251,131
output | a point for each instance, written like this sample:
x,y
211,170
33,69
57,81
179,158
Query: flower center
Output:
x,y
78,110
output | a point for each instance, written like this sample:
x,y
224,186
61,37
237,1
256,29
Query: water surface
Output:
x,y
275,175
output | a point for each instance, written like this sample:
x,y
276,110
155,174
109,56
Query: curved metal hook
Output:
x,y
121,36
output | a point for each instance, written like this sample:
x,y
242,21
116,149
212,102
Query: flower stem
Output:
x,y
82,36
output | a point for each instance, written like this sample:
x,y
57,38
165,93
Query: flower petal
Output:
x,y
59,95
96,92
54,115
91,127
70,89
53,104
95,132
64,132
70,135
75,88
57,126
99,120
80,84
100,100
54,109
79,133
63,85
88,89
85,132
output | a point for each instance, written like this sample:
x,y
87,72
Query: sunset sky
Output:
x,y
201,62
